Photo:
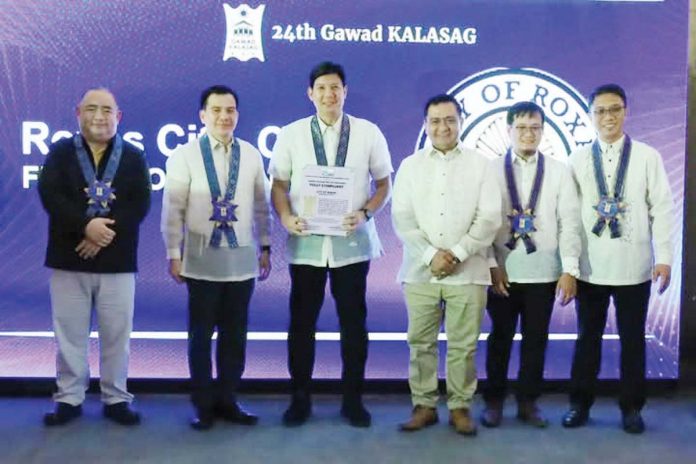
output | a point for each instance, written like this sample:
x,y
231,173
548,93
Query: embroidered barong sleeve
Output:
x,y
569,223
280,166
404,216
660,208
487,218
380,159
174,204
490,255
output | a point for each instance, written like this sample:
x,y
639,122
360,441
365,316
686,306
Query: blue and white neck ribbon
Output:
x,y
610,207
223,208
522,219
318,141
100,193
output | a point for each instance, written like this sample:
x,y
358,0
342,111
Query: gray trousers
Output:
x,y
73,295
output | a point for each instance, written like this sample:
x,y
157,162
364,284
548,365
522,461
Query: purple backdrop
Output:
x,y
158,55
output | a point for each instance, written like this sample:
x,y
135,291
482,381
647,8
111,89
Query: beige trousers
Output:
x,y
461,306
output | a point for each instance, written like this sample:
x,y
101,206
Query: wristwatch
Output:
x,y
368,214
266,248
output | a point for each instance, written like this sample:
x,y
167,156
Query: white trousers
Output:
x,y
73,295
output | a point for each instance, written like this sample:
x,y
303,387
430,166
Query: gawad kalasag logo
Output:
x,y
486,96
244,40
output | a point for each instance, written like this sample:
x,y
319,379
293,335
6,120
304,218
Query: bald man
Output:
x,y
96,190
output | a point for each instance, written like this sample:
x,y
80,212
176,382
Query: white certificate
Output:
x,y
327,196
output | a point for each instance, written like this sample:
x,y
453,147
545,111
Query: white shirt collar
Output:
x,y
217,144
530,161
612,147
457,150
323,126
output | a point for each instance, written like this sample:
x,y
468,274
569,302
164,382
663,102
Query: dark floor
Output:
x,y
165,436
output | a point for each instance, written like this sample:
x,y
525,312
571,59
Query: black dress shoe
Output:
x,y
633,422
575,417
356,415
299,411
121,413
203,421
234,413
62,414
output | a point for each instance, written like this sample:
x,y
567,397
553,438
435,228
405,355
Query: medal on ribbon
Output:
x,y
223,213
318,142
522,219
610,208
100,193
224,209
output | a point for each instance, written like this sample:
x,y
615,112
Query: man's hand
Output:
x,y
443,264
500,281
352,221
98,231
264,265
566,288
87,249
295,225
175,270
662,272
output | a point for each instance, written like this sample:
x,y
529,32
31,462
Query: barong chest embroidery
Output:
x,y
522,219
610,207
318,142
224,209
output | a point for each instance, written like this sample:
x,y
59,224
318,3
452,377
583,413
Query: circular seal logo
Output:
x,y
486,96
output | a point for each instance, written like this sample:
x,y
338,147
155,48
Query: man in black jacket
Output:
x,y
96,190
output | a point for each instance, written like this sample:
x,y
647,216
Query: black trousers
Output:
x,y
348,286
225,306
532,304
631,302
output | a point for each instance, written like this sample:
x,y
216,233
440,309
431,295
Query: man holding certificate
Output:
x,y
322,169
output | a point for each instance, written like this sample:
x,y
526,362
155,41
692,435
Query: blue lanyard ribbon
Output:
x,y
522,220
100,193
223,208
318,141
610,207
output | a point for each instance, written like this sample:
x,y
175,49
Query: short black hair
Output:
x,y
442,98
524,108
217,90
325,68
609,88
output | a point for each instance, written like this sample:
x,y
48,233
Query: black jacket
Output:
x,y
61,186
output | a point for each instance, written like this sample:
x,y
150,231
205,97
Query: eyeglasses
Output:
x,y
532,129
612,110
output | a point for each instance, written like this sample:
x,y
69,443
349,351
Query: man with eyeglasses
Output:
x,y
535,259
95,188
446,211
627,215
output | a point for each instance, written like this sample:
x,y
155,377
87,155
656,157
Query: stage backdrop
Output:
x,y
157,56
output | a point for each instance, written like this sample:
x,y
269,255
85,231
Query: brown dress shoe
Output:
x,y
421,417
461,420
529,413
492,415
